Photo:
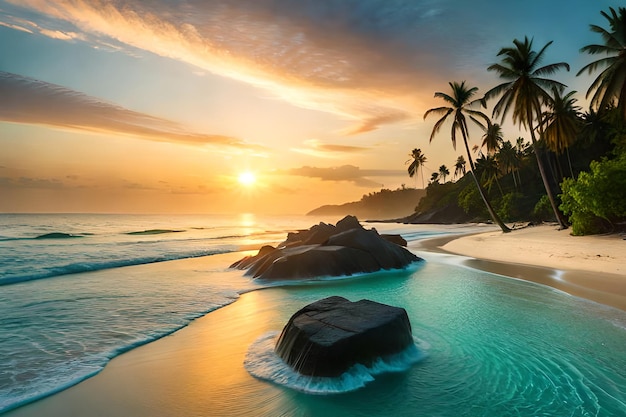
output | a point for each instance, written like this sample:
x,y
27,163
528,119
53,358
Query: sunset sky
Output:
x,y
136,106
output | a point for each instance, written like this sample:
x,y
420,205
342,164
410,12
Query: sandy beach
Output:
x,y
591,267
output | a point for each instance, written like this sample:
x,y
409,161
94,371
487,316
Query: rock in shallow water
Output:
x,y
327,250
331,335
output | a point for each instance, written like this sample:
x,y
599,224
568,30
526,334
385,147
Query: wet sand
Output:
x,y
193,372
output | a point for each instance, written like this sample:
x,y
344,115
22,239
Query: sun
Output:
x,y
247,178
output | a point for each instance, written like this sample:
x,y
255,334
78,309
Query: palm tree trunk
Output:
x,y
492,213
499,187
544,178
514,179
569,162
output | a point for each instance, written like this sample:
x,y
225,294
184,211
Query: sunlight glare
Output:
x,y
247,178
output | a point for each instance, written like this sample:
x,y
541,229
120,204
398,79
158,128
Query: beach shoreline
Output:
x,y
175,373
590,267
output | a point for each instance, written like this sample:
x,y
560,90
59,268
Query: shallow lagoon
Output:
x,y
495,346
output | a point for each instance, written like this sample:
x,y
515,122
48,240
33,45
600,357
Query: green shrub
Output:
x,y
509,208
543,210
597,199
470,201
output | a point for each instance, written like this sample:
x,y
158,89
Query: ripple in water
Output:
x,y
262,362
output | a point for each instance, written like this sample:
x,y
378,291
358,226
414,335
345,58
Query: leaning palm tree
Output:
x,y
561,123
417,161
459,166
492,139
459,103
610,85
444,172
524,91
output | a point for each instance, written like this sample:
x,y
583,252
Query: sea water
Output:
x,y
485,344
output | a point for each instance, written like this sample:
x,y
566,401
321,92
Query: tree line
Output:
x,y
579,158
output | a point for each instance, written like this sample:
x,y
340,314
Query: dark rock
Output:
x,y
348,223
331,335
386,254
397,239
327,250
249,260
317,261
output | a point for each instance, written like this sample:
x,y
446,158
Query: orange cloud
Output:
x,y
57,34
314,147
348,173
29,101
349,61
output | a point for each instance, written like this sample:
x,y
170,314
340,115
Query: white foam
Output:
x,y
262,362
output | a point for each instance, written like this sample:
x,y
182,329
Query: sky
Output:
x,y
160,106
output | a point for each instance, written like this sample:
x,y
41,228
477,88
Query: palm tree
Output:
x,y
492,139
525,93
521,147
444,172
434,178
561,123
459,102
524,152
488,170
417,161
509,160
610,85
593,127
459,166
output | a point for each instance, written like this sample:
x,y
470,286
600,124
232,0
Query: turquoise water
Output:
x,y
494,347
488,345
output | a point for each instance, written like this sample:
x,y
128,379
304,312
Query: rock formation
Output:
x,y
326,250
331,335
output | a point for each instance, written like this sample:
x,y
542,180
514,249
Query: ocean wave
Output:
x,y
58,235
153,232
78,372
46,236
75,268
262,362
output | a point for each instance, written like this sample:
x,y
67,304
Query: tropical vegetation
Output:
x,y
573,168
459,103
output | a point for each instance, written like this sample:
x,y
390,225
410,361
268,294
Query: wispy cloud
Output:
x,y
320,149
29,26
348,173
363,60
16,27
31,182
30,101
57,34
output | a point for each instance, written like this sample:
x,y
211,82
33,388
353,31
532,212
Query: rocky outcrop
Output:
x,y
328,250
331,335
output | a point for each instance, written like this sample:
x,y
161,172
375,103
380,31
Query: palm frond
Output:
x,y
550,69
437,110
438,125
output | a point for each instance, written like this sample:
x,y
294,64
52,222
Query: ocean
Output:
x,y
77,290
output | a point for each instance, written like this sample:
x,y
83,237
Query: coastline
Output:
x,y
590,267
198,368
